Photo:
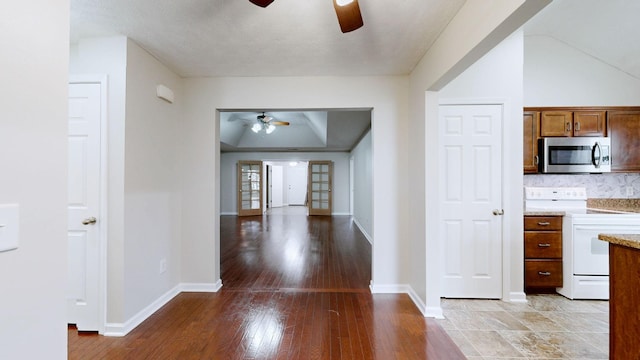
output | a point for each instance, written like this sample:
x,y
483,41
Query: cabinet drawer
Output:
x,y
543,273
543,244
543,222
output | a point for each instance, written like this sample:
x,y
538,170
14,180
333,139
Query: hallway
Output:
x,y
295,287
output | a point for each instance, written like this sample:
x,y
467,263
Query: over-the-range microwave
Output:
x,y
565,155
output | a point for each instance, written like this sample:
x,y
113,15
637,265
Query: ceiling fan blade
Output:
x,y
280,123
262,3
349,15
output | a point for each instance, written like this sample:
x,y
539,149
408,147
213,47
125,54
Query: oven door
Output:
x,y
590,255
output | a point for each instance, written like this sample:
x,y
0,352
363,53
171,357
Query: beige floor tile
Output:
x,y
572,346
491,344
461,341
501,320
531,345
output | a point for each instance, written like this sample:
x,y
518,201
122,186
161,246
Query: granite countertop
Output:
x,y
544,213
629,205
628,240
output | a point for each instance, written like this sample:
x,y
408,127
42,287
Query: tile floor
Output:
x,y
546,327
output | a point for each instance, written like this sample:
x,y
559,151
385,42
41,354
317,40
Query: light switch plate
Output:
x,y
9,225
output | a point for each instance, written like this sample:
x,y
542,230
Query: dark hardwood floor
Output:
x,y
295,287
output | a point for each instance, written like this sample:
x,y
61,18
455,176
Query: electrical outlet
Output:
x,y
629,190
163,266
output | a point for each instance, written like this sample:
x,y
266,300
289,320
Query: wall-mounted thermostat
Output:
x,y
9,226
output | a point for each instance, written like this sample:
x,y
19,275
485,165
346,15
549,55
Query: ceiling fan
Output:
x,y
348,12
267,124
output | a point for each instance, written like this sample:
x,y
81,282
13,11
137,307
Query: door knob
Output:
x,y
498,212
89,221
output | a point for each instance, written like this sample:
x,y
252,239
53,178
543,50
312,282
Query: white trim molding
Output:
x,y
122,329
435,312
362,230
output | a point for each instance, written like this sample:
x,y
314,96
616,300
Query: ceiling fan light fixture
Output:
x,y
349,16
261,3
256,128
270,128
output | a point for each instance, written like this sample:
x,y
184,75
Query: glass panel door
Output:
x,y
319,192
249,188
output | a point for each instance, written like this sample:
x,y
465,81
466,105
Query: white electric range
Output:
x,y
585,258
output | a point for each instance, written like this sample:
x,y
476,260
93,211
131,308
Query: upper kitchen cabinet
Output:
x,y
531,135
624,131
555,123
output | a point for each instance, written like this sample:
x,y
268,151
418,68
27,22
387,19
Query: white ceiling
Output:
x,y
288,38
607,30
302,38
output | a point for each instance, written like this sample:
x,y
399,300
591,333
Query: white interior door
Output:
x,y
277,186
297,184
470,175
83,206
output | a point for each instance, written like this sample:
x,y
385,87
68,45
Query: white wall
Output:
x,y
33,154
201,195
108,56
478,27
144,184
228,176
152,181
556,74
497,77
363,179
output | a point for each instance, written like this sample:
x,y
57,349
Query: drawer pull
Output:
x,y
544,273
544,223
544,245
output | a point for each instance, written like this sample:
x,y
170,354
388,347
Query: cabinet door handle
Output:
x,y
568,126
536,159
544,273
544,245
544,223
577,126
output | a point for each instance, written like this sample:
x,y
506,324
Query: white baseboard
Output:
x,y
203,287
340,214
435,312
517,297
228,213
366,235
122,329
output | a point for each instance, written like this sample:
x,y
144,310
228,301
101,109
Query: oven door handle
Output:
x,y
596,160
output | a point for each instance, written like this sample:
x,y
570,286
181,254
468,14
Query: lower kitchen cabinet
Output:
x,y
542,253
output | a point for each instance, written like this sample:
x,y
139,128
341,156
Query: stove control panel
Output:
x,y
555,193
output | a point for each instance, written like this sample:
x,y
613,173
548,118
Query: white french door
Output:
x,y
471,200
84,164
249,188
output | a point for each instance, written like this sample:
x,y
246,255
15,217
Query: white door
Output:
x,y
297,184
470,175
276,186
83,206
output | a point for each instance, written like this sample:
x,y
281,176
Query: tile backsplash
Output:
x,y
605,186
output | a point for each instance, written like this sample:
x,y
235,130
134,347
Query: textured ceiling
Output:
x,y
606,30
288,38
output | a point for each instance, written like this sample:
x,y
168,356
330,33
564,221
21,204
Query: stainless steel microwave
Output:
x,y
565,155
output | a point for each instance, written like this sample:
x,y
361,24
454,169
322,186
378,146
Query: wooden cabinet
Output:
x,y
624,296
531,136
624,131
557,123
542,252
589,123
